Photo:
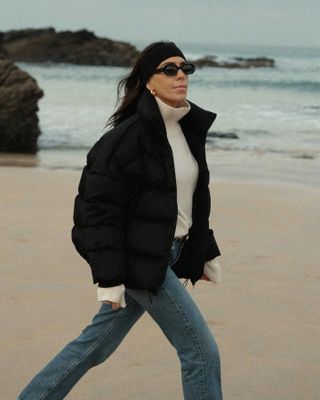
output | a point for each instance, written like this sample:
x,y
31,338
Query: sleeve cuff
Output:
x,y
114,294
213,249
212,270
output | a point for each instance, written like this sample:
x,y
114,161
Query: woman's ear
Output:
x,y
150,88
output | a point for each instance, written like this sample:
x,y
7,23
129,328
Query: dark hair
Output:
x,y
132,87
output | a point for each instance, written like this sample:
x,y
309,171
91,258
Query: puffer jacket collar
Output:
x,y
197,119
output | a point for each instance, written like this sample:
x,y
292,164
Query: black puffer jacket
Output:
x,y
126,211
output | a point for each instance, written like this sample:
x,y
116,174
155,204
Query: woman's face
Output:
x,y
172,90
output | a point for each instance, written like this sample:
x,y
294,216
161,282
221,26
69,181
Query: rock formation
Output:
x,y
222,135
3,53
85,48
19,95
237,62
79,47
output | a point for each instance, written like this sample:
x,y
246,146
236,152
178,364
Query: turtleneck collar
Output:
x,y
170,114
197,121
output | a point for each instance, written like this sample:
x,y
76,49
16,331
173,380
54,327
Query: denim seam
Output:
x,y
195,340
92,348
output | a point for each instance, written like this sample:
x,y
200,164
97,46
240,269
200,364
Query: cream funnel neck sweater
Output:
x,y
186,170
186,167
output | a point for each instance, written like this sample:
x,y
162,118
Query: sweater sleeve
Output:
x,y
212,270
114,294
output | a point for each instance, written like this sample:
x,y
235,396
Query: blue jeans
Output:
x,y
173,309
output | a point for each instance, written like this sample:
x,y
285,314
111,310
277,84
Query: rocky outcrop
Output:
x,y
237,62
19,95
222,135
80,47
3,53
85,48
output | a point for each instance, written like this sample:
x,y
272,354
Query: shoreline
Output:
x,y
224,165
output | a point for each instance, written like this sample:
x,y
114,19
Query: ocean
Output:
x,y
275,112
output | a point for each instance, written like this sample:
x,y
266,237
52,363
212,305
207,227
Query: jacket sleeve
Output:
x,y
213,249
107,188
105,203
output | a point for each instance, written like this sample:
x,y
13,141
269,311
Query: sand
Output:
x,y
264,314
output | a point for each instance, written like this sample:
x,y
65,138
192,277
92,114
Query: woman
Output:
x,y
141,222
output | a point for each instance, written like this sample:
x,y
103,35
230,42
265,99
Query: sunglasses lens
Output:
x,y
170,70
188,69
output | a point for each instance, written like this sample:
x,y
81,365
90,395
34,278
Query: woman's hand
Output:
x,y
114,305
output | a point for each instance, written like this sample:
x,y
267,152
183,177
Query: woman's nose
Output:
x,y
180,74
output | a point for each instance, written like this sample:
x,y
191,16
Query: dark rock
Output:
x,y
237,62
14,35
19,95
256,62
207,61
3,53
80,47
221,135
305,156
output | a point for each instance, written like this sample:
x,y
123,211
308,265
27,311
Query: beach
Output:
x,y
264,314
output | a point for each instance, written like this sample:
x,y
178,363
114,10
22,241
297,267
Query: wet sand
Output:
x,y
265,313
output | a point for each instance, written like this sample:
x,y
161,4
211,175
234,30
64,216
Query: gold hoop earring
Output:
x,y
153,92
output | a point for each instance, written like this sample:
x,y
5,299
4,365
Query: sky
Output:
x,y
244,22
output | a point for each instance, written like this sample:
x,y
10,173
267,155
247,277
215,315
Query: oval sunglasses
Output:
x,y
172,69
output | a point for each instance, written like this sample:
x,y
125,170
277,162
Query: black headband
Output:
x,y
154,57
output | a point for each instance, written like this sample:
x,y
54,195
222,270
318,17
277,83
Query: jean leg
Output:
x,y
94,345
174,310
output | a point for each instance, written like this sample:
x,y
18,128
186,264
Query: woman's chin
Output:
x,y
179,102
